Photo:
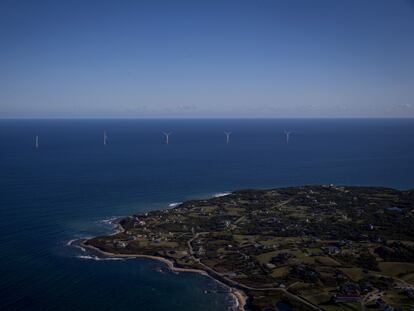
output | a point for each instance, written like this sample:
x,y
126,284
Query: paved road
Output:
x,y
238,285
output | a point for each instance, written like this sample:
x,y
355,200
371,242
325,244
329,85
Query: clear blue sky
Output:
x,y
254,58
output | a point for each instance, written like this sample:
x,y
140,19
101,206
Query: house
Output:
x,y
331,250
348,292
394,209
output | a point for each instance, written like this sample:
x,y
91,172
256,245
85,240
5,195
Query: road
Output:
x,y
238,285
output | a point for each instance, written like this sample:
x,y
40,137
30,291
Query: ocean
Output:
x,y
71,185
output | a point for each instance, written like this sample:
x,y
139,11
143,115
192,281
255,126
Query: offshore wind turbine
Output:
x,y
37,141
227,137
167,137
105,138
287,134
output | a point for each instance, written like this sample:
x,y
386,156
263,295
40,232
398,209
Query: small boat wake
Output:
x,y
161,270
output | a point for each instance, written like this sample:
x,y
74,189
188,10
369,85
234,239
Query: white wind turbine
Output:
x,y
287,134
227,137
105,138
37,141
167,137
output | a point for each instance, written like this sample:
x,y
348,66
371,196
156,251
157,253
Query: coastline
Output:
x,y
237,291
257,294
239,296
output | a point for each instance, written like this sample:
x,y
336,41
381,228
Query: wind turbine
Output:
x,y
167,137
105,138
37,142
227,137
287,134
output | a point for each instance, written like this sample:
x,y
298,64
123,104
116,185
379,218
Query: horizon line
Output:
x,y
210,118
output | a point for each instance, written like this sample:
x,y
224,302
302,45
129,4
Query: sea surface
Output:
x,y
71,184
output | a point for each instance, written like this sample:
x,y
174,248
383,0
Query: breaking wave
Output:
x,y
221,194
90,257
109,221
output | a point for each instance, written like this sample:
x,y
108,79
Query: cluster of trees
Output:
x,y
396,251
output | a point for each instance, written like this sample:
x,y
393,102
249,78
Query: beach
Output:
x,y
239,296
63,190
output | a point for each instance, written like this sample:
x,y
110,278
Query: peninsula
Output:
x,y
300,248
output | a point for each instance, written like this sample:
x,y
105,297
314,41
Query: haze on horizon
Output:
x,y
240,58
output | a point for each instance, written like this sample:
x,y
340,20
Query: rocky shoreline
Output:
x,y
292,246
239,296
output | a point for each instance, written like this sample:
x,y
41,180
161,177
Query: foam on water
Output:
x,y
97,258
70,242
221,194
71,182
110,221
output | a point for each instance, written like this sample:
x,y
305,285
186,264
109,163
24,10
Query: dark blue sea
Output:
x,y
71,184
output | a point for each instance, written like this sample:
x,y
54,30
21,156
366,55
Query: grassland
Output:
x,y
303,248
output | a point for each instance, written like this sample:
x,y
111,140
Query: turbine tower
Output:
x,y
227,137
105,138
167,137
287,134
37,142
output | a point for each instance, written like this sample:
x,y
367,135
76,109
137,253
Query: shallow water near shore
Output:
x,y
72,186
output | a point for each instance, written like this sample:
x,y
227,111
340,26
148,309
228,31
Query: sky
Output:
x,y
244,58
